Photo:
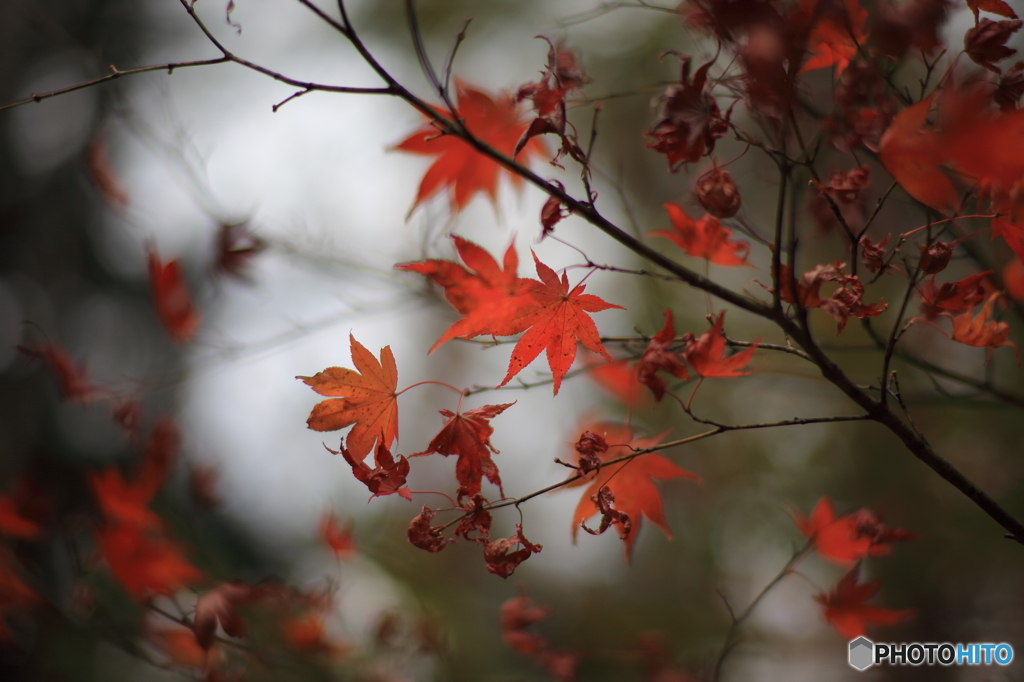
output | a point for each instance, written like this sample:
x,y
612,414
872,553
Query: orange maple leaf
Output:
x,y
364,396
706,354
171,298
491,298
705,238
461,168
846,611
978,331
468,435
834,39
559,319
632,482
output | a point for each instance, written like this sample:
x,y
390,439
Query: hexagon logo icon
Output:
x,y
862,653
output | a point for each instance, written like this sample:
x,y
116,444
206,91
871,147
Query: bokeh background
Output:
x,y
317,181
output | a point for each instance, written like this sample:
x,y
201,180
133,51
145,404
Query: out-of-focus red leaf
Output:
x,y
143,562
834,39
1013,279
846,611
171,298
72,379
705,238
847,538
912,156
236,247
337,537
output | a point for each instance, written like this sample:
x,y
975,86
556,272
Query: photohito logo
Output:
x,y
864,653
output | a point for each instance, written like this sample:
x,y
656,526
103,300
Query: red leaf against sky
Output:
x,y
171,298
706,354
558,321
980,332
364,397
388,475
72,379
468,435
337,537
847,538
833,40
502,562
459,167
659,356
145,563
846,611
492,299
632,482
704,238
123,502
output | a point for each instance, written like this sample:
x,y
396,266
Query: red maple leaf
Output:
x,y
171,298
834,39
388,475
558,321
690,120
492,299
364,397
502,562
705,238
847,538
980,332
145,563
706,354
846,611
468,435
913,155
659,356
461,168
1013,279
631,482
952,297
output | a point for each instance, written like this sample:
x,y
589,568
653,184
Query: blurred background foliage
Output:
x,y
201,148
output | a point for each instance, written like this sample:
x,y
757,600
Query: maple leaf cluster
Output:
x,y
846,540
